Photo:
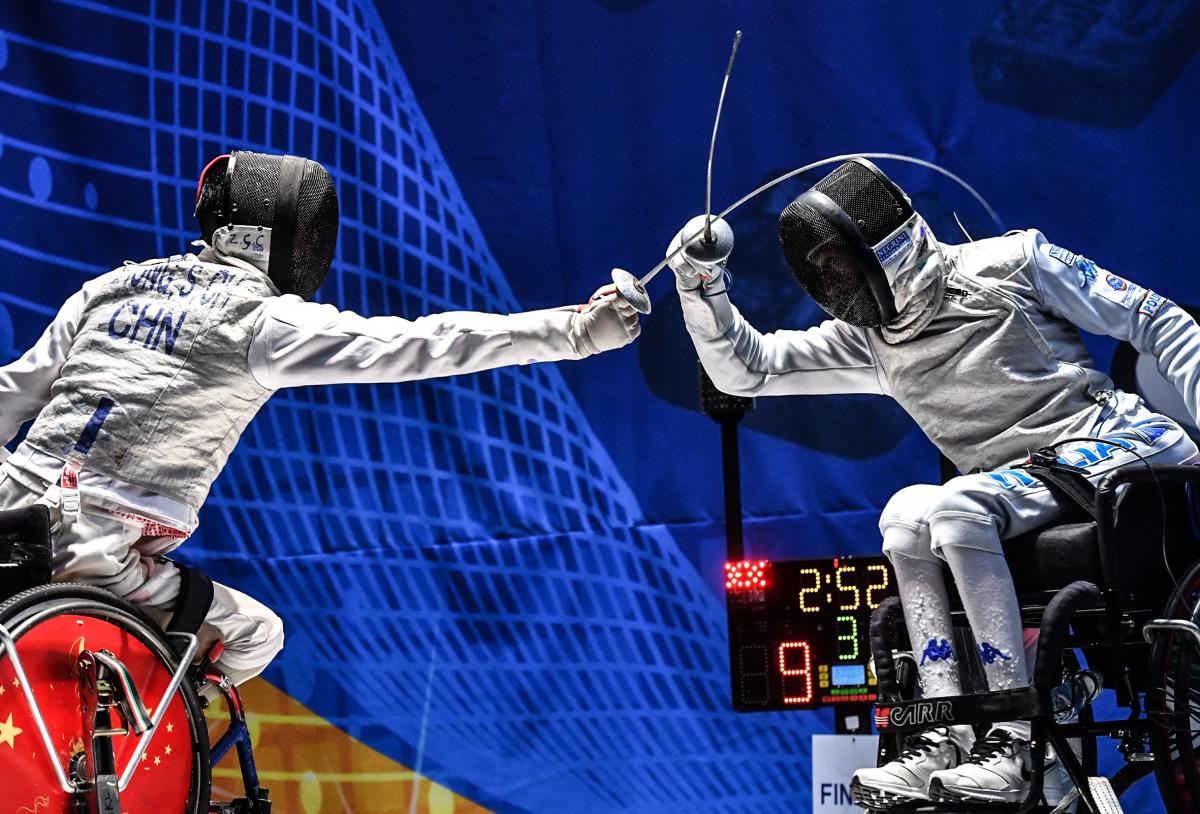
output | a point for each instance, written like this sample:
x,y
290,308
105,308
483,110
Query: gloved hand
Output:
x,y
605,322
690,265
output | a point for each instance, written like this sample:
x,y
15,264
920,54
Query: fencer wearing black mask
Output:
x,y
979,343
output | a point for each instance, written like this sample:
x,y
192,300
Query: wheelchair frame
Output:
x,y
1110,605
102,692
8,646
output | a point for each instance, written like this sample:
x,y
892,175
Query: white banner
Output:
x,y
835,759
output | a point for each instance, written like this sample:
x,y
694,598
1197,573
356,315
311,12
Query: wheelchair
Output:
x,y
101,710
1130,607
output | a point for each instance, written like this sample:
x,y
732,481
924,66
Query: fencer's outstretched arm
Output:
x,y
304,343
832,357
25,383
1100,302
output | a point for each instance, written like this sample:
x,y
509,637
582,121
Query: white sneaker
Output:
x,y
1056,782
998,770
906,778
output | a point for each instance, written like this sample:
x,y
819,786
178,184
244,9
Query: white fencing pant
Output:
x,y
110,552
960,524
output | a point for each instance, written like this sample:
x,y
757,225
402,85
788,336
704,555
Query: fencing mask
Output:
x,y
279,212
841,238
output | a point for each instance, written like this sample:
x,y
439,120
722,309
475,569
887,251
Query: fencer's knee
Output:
x,y
252,632
266,640
904,523
272,644
904,540
247,656
274,636
958,519
909,506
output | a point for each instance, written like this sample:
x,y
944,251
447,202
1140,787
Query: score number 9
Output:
x,y
841,578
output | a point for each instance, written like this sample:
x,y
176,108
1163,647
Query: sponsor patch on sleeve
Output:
x,y
1115,289
1062,255
1152,304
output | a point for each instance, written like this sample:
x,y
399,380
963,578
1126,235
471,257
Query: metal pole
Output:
x,y
732,477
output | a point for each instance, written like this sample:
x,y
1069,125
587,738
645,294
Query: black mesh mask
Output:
x,y
292,196
830,236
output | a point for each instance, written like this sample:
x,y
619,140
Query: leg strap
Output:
x,y
195,600
1063,480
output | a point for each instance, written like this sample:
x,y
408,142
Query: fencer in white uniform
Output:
x,y
143,383
980,345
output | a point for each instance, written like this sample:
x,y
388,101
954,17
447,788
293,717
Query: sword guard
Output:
x,y
703,249
631,289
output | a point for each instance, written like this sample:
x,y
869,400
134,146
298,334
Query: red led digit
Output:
x,y
802,673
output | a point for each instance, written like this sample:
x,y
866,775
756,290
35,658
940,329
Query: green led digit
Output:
x,y
851,638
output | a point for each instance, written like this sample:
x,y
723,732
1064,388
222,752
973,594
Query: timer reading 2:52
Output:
x,y
844,585
840,586
797,630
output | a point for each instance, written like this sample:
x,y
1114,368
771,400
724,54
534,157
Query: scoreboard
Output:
x,y
799,630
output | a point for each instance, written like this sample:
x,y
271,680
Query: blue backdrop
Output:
x,y
511,580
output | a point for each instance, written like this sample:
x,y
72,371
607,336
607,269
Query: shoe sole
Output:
x,y
875,799
939,793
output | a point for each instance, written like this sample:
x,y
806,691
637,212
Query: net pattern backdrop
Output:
x,y
465,579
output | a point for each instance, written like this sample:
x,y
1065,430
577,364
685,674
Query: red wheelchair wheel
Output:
x,y
51,625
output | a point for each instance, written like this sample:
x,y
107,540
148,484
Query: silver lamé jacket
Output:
x,y
985,354
164,364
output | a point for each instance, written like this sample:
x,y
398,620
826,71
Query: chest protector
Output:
x,y
993,377
157,379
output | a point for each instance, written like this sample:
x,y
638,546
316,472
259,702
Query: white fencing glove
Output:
x,y
604,322
688,267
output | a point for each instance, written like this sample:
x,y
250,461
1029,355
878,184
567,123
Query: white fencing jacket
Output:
x,y
150,373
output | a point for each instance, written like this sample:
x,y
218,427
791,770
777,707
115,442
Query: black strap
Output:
x,y
1063,480
195,600
1022,703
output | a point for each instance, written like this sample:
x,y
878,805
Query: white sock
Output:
x,y
986,587
926,605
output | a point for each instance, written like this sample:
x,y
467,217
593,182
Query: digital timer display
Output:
x,y
799,630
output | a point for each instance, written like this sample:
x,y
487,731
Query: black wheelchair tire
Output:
x,y
20,606
1173,659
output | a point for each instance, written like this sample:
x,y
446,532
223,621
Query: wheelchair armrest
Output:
x,y
25,549
1143,473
